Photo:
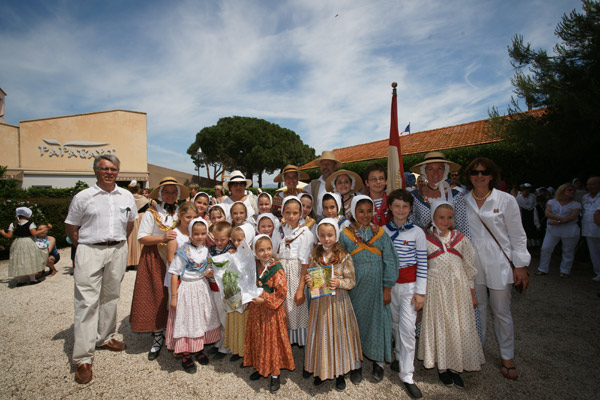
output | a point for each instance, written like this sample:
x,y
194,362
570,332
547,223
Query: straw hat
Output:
x,y
169,180
237,176
291,168
328,155
435,157
357,182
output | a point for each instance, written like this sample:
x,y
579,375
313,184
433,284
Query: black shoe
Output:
x,y
235,357
255,376
202,358
340,383
219,356
243,366
188,364
306,374
153,355
274,388
212,350
446,378
318,381
458,382
377,372
395,366
356,376
413,390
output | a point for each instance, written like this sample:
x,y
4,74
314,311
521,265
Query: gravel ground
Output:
x,y
557,352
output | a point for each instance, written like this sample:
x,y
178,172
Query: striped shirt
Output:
x,y
411,247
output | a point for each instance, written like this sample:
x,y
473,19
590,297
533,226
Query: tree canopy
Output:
x,y
563,139
251,145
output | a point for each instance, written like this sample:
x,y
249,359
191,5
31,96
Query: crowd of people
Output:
x,y
344,270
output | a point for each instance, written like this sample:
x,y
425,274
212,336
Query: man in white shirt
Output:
x,y
590,223
100,219
328,163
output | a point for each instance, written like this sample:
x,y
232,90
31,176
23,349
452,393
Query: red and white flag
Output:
x,y
395,168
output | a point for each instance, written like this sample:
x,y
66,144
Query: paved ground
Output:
x,y
557,340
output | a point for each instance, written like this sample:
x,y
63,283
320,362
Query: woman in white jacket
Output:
x,y
493,212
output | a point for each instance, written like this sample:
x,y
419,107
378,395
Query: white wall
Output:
x,y
57,181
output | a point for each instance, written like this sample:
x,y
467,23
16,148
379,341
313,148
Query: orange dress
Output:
x,y
267,347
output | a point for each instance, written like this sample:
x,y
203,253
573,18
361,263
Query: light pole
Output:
x,y
198,157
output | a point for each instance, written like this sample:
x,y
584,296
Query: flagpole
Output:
x,y
395,169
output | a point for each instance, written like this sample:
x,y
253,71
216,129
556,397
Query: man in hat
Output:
x,y
290,175
328,163
100,219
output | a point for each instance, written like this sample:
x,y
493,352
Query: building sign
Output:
x,y
78,149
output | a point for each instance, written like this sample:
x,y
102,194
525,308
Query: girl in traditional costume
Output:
x,y
267,348
333,345
376,271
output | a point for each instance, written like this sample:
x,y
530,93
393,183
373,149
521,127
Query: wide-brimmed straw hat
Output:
x,y
354,177
237,176
435,157
291,168
169,180
328,155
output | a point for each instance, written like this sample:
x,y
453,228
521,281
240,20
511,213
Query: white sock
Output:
x,y
275,376
380,363
158,342
358,364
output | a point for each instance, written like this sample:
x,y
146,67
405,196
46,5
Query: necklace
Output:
x,y
481,198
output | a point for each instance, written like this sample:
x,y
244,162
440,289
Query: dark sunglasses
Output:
x,y
484,172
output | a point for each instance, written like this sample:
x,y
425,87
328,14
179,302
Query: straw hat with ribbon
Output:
x,y
357,182
169,180
291,168
434,157
328,155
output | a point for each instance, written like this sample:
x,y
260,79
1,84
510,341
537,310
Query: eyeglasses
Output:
x,y
107,169
237,183
380,179
484,172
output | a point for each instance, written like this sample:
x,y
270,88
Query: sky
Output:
x,y
320,68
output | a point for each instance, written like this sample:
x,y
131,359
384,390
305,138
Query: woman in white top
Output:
x,y
149,306
499,212
237,185
562,213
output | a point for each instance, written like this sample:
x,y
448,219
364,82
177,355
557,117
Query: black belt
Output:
x,y
108,244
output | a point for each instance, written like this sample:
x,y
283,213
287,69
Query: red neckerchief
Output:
x,y
381,216
454,240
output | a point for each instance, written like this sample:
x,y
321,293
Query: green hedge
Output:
x,y
53,211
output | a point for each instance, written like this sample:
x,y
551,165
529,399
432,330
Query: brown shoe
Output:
x,y
83,373
113,345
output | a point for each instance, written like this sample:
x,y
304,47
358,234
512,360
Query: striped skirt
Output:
x,y
235,332
333,344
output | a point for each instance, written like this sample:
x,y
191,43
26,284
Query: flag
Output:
x,y
407,129
395,169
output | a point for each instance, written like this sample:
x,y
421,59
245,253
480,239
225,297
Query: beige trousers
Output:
x,y
98,273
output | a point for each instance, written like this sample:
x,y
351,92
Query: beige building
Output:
x,y
59,151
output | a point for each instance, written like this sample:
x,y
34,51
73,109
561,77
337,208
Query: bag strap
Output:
x,y
496,240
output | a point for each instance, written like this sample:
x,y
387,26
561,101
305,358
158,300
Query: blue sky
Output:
x,y
320,68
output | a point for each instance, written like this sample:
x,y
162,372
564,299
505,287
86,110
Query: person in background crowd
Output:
x,y
194,189
100,219
328,163
219,194
375,179
562,213
410,180
455,182
146,193
134,247
579,189
420,183
500,243
26,259
591,223
527,203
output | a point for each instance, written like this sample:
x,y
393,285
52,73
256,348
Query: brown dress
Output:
x,y
267,347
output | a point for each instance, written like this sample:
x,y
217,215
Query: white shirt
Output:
x,y
300,248
501,214
569,229
21,223
102,216
527,203
248,203
590,206
198,254
322,189
148,226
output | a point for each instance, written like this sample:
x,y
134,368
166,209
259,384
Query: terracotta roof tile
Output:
x,y
463,135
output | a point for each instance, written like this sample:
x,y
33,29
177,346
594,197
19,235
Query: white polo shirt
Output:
x,y
102,216
590,206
